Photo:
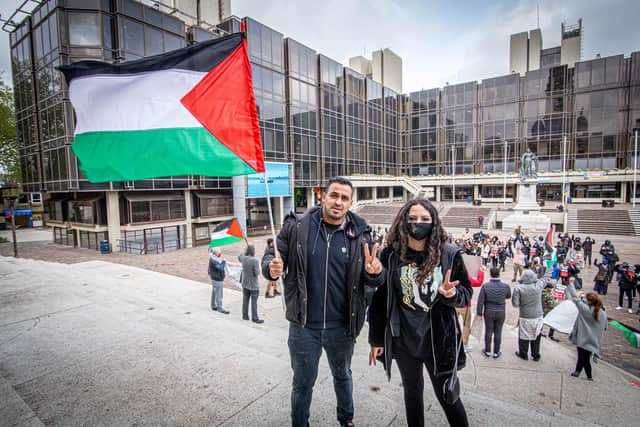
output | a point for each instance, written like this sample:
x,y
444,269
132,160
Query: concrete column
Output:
x,y
374,194
476,191
239,201
278,211
287,206
438,196
113,219
623,193
188,210
310,197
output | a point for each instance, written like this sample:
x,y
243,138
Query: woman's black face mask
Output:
x,y
420,230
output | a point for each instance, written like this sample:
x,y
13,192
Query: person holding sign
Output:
x,y
412,318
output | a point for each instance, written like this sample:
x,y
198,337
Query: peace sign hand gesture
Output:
x,y
372,264
448,288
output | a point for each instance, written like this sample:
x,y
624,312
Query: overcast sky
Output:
x,y
438,42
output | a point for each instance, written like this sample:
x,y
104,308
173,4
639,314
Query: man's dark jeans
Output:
x,y
305,349
253,296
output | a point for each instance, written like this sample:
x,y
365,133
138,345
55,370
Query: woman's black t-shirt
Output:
x,y
414,302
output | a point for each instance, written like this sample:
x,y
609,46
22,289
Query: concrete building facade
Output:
x,y
526,52
384,67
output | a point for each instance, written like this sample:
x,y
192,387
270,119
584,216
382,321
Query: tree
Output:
x,y
9,161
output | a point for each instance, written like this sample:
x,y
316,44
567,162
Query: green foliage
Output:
x,y
9,163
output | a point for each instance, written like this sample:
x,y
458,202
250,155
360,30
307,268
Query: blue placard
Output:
x,y
278,177
19,212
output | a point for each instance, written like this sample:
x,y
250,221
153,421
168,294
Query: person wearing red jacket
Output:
x,y
465,312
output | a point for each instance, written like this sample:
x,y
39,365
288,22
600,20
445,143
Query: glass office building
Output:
x,y
323,118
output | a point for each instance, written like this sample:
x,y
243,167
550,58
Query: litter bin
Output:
x,y
105,247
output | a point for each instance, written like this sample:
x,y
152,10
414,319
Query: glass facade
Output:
x,y
547,115
423,113
302,112
460,111
375,127
59,33
323,117
332,137
266,53
499,124
600,103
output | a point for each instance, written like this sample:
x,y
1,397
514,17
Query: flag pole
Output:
x,y
273,231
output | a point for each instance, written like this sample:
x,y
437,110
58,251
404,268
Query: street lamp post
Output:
x,y
453,173
564,172
635,161
12,201
504,184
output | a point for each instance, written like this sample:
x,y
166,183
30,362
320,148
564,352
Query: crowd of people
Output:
x,y
568,257
411,284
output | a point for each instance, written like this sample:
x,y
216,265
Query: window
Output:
x,y
172,42
153,41
84,29
133,36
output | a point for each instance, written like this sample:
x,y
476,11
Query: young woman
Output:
x,y
588,329
412,315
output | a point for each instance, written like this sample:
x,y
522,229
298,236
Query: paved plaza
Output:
x,y
122,339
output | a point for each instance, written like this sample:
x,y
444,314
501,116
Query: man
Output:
x,y
491,306
527,296
217,269
325,258
587,248
466,235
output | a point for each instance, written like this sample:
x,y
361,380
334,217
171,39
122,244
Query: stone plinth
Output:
x,y
527,212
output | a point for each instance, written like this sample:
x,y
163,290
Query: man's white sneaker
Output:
x,y
618,308
630,311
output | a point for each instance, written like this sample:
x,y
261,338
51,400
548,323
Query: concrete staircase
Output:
x,y
634,216
603,221
466,216
379,215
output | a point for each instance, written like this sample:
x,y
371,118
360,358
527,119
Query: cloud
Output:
x,y
439,44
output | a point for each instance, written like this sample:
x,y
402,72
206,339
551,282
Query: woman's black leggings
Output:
x,y
584,361
413,385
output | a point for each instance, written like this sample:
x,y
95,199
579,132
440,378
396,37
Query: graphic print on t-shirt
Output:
x,y
422,296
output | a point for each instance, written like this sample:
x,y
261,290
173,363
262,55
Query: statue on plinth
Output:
x,y
528,166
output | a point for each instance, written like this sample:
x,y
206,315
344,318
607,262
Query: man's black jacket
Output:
x,y
292,246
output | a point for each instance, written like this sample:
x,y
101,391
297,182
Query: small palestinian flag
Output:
x,y
632,335
191,111
550,253
225,233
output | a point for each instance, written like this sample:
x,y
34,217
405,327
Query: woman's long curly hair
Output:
x,y
398,237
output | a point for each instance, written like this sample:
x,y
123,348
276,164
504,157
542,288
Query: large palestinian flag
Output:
x,y
190,111
225,233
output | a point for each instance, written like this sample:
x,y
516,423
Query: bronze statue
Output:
x,y
528,166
